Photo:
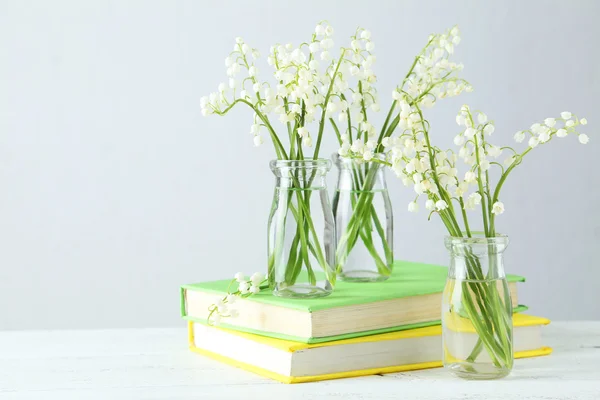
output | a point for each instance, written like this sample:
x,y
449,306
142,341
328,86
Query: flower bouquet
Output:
x,y
307,80
431,76
476,297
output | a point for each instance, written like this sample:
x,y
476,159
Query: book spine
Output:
x,y
183,307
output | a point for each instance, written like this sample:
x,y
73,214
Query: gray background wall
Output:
x,y
114,190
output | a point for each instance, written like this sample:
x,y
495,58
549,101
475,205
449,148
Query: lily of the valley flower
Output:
x,y
305,91
413,206
432,77
497,208
435,171
245,287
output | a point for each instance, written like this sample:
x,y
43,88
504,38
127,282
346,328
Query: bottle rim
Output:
x,y
319,163
337,158
477,238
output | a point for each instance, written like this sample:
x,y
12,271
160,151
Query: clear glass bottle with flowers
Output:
x,y
364,221
305,94
476,309
362,208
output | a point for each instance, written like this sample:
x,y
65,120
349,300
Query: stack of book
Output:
x,y
361,329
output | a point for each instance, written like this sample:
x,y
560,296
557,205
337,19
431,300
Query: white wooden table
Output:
x,y
155,364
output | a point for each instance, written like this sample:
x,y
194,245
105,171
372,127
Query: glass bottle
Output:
x,y
301,232
364,222
477,309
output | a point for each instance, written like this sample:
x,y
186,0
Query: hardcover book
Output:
x,y
409,299
293,362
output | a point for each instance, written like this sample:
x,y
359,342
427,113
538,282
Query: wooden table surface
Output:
x,y
156,364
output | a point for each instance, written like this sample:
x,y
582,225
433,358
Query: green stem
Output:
x,y
336,130
484,209
385,124
464,214
324,113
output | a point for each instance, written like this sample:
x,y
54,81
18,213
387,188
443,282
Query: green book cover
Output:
x,y
408,279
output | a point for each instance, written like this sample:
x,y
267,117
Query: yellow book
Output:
x,y
294,362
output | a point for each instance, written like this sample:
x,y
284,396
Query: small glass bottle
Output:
x,y
477,309
364,222
301,230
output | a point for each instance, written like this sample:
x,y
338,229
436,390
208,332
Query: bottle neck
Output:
x,y
488,267
300,174
360,176
476,257
301,182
